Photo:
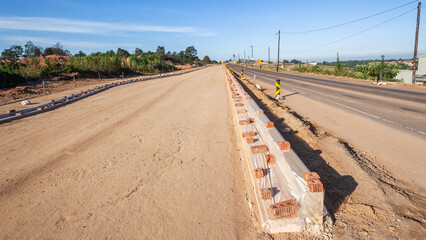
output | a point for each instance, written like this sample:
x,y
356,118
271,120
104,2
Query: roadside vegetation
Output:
x,y
31,63
371,69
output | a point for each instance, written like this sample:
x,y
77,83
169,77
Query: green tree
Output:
x,y
382,66
161,52
32,50
138,52
14,52
373,69
122,53
80,54
206,60
338,68
57,49
110,53
191,54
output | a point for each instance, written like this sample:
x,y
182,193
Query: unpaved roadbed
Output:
x,y
150,160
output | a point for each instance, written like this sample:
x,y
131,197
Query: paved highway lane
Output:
x,y
401,108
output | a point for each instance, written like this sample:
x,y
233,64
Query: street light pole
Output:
x,y
278,59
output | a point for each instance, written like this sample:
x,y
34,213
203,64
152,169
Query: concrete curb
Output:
x,y
289,196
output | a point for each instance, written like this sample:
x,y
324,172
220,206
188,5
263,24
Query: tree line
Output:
x,y
106,64
361,69
355,69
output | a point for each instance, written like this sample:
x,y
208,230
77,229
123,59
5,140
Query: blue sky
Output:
x,y
216,28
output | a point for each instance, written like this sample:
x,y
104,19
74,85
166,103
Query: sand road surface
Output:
x,y
149,160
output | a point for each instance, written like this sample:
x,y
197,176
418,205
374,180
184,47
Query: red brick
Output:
x,y
251,119
249,140
248,134
239,104
244,122
241,111
52,100
311,175
245,93
248,98
284,145
283,209
270,158
315,185
269,125
259,173
11,111
266,193
259,149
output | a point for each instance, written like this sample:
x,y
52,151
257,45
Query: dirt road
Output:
x,y
150,160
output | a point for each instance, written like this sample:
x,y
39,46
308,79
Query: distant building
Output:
x,y
407,75
313,63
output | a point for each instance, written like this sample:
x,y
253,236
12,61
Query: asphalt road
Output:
x,y
404,109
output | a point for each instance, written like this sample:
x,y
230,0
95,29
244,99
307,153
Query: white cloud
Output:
x,y
204,34
88,27
80,44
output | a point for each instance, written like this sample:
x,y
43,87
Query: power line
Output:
x,y
353,21
356,34
275,35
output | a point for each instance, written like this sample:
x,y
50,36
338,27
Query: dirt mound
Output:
x,y
54,59
183,67
6,60
19,90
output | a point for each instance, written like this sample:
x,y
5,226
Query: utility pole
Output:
x,y
244,56
416,43
278,59
269,55
251,54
